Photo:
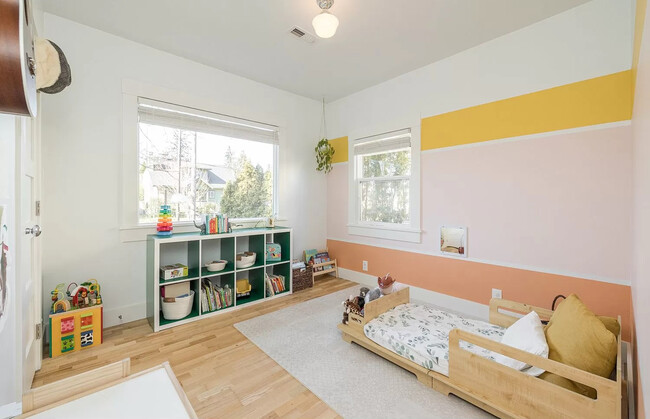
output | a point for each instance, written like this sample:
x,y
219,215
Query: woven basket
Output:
x,y
302,278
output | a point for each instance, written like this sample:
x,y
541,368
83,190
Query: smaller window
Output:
x,y
383,178
385,186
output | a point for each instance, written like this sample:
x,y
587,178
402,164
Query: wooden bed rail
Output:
x,y
510,390
502,312
379,306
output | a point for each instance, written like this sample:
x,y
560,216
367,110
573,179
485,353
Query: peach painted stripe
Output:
x,y
474,281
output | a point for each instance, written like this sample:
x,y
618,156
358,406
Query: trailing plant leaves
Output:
x,y
324,154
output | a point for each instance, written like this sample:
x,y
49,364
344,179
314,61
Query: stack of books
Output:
x,y
216,224
213,297
274,284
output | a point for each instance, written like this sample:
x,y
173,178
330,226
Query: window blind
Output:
x,y
179,117
383,143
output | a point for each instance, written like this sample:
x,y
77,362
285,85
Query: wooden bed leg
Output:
x,y
441,387
347,338
425,379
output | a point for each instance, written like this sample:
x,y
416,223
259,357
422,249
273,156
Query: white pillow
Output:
x,y
526,334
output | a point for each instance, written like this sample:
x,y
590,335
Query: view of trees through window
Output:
x,y
384,183
198,173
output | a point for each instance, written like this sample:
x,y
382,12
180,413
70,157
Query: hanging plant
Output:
x,y
324,154
324,150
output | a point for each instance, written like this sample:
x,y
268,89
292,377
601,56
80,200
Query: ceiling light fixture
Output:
x,y
325,24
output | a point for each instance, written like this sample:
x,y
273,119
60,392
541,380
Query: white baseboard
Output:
x,y
129,313
460,305
11,410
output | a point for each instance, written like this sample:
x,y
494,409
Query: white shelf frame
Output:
x,y
153,271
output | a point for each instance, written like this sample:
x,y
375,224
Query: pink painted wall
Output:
x,y
558,203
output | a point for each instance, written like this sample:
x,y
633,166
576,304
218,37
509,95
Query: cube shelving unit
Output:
x,y
196,250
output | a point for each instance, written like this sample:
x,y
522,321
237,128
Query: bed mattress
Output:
x,y
420,334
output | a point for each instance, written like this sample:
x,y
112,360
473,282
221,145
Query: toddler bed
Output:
x,y
456,355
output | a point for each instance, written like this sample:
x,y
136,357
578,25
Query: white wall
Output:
x,y
10,390
641,269
82,143
505,192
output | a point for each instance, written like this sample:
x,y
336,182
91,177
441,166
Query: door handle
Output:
x,y
35,231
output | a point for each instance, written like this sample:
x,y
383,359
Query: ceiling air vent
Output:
x,y
302,34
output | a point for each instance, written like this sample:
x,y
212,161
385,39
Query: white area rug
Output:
x,y
353,381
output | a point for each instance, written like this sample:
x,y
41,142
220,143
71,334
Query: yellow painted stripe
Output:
x,y
340,149
639,23
589,102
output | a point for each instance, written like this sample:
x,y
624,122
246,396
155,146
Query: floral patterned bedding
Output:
x,y
421,334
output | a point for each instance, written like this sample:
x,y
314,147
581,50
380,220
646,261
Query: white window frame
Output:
x,y
132,90
400,232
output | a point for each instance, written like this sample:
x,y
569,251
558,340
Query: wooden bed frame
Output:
x,y
493,387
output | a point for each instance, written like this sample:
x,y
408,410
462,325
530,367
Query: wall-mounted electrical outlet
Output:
x,y
365,265
497,293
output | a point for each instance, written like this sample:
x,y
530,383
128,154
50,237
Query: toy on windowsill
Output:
x,y
165,225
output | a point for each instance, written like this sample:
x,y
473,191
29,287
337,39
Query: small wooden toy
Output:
x,y
165,225
76,318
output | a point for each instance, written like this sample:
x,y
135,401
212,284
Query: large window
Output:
x,y
384,186
204,163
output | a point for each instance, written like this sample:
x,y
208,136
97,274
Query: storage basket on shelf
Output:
x,y
243,288
179,308
302,278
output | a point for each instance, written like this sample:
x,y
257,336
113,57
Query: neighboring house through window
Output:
x,y
204,163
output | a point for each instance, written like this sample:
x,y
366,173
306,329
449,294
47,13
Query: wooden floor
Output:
x,y
223,373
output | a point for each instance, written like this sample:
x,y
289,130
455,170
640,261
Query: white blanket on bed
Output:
x,y
421,334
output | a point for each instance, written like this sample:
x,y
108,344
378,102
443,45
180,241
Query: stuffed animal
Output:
x,y
386,284
372,295
351,305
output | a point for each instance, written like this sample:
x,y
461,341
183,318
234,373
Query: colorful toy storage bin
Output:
x,y
74,330
273,252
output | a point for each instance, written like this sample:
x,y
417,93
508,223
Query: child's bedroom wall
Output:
x,y
641,146
547,205
82,146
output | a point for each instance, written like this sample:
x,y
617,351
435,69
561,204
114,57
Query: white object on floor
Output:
x,y
526,334
353,381
151,395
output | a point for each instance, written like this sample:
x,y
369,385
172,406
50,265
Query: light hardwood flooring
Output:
x,y
223,373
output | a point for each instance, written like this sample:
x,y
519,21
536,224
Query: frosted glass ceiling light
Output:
x,y
325,24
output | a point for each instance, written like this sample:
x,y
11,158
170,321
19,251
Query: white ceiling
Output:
x,y
376,41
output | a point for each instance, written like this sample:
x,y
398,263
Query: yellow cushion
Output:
x,y
576,337
568,384
611,324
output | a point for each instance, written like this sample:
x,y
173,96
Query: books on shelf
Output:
x,y
274,284
216,224
214,297
322,257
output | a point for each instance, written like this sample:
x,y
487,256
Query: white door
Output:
x,y
29,266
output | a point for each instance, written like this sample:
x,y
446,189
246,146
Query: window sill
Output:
x,y
398,233
140,232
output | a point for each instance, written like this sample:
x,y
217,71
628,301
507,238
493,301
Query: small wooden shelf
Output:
x,y
196,250
333,268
